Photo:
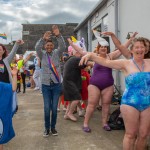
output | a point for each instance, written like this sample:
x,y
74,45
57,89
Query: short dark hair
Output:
x,y
48,41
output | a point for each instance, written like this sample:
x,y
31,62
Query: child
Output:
x,y
85,82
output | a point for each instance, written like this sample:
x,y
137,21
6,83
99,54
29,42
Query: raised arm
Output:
x,y
14,50
28,57
126,53
115,64
77,48
40,43
39,62
123,48
61,43
14,72
132,37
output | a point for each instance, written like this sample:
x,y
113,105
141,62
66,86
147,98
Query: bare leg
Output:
x,y
143,129
1,147
106,96
131,119
93,99
73,106
59,102
68,108
79,106
80,110
71,110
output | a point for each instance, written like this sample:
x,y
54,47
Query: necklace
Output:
x,y
138,66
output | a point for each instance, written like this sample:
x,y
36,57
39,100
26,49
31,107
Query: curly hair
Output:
x,y
5,51
140,39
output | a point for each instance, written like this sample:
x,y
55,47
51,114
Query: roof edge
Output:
x,y
90,14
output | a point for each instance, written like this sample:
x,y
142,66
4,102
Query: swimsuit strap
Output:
x,y
109,56
138,66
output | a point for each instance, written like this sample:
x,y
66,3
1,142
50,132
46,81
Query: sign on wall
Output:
x,y
25,32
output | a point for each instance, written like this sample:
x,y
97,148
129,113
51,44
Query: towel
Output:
x,y
6,127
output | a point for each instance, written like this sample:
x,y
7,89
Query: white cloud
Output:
x,y
16,12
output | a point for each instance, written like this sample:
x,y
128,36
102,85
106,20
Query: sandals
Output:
x,y
72,117
86,129
106,127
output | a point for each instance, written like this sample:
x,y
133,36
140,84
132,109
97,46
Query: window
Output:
x,y
98,28
105,23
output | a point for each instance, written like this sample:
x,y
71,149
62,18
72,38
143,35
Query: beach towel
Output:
x,y
6,127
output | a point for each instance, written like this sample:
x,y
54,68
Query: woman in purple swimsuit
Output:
x,y
101,86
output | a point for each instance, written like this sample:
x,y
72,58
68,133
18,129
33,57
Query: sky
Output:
x,y
15,12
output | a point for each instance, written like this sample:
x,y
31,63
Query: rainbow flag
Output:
x,y
3,36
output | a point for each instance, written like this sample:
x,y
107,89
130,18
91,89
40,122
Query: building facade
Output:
x,y
33,32
120,17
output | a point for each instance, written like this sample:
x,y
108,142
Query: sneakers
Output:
x,y
36,88
46,133
54,132
81,113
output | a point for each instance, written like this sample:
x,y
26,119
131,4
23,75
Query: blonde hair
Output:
x,y
140,39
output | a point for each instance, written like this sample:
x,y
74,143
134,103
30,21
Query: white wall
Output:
x,y
134,16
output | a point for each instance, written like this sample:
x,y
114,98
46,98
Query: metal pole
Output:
x,y
117,34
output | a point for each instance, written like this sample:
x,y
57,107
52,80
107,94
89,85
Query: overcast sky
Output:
x,y
15,12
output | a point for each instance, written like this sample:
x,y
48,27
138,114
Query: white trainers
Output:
x,y
64,109
36,88
81,113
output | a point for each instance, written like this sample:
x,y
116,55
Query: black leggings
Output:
x,y
23,76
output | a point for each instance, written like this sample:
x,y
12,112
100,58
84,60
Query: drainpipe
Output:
x,y
117,31
89,46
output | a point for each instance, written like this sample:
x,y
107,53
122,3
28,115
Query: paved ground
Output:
x,y
28,124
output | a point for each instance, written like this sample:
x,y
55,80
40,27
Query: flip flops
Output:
x,y
86,129
106,127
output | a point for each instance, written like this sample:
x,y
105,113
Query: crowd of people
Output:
x,y
83,80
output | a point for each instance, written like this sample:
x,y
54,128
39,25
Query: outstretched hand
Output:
x,y
133,35
55,30
85,59
14,71
20,42
69,41
47,35
107,33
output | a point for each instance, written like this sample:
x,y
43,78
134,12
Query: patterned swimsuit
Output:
x,y
137,92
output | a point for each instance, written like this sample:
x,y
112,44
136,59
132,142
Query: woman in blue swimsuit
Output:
x,y
135,106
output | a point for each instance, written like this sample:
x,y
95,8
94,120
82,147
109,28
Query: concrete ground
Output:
x,y
29,127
